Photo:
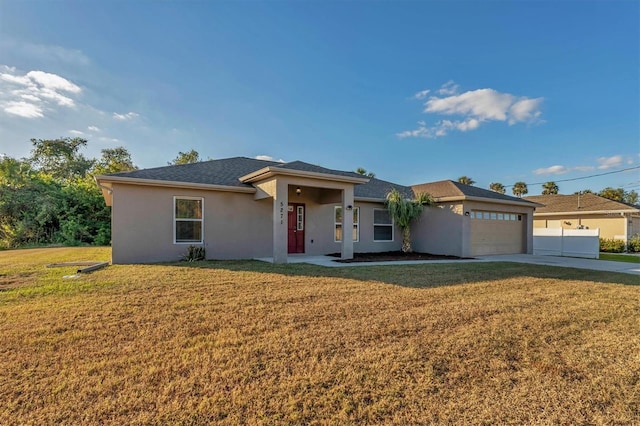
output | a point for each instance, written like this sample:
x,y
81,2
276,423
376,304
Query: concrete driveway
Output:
x,y
567,262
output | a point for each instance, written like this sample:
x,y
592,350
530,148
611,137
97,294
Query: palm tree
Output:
x,y
404,211
466,180
362,171
497,187
519,189
550,188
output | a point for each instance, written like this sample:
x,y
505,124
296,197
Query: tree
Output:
x,y
362,171
404,211
584,191
615,194
114,160
60,157
631,197
186,158
14,172
550,188
519,189
466,180
497,187
50,198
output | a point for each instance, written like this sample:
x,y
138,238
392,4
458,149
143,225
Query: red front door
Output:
x,y
296,228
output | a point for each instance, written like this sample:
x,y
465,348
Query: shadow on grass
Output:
x,y
422,275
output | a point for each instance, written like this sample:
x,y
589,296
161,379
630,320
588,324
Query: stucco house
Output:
x,y
241,208
587,211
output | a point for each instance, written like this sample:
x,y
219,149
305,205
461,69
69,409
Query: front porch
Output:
x,y
295,194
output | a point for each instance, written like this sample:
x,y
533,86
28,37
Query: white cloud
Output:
x,y
22,109
449,88
76,132
127,116
473,107
584,168
105,139
605,163
52,81
553,170
93,128
422,94
268,158
30,95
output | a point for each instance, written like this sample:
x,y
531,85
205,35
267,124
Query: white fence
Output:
x,y
566,242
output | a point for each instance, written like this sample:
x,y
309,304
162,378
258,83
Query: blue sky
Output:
x,y
414,91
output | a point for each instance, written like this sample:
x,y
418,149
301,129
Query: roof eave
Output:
x,y
104,179
271,171
486,200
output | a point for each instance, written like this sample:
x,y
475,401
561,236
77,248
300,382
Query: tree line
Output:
x,y
51,196
551,188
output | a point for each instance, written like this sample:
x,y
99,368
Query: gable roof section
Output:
x,y
579,203
378,189
448,190
224,172
228,171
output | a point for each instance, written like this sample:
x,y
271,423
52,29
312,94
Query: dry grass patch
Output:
x,y
247,342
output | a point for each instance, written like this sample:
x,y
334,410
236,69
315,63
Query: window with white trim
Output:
x,y
188,220
382,225
337,235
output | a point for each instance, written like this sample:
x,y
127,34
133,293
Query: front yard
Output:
x,y
251,343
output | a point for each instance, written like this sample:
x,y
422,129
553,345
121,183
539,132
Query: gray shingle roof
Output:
x,y
306,167
449,188
228,171
377,188
224,172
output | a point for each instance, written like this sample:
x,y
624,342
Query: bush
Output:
x,y
633,246
195,254
608,245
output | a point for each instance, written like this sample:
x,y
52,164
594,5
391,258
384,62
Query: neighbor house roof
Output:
x,y
228,172
448,190
579,203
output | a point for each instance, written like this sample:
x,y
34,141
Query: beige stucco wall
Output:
x,y
440,230
611,226
235,225
444,228
322,231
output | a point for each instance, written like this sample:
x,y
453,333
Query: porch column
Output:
x,y
347,223
280,219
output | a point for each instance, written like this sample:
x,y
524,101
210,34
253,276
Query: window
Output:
x,y
300,219
476,214
187,220
337,235
382,225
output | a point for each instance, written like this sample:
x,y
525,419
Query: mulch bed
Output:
x,y
388,256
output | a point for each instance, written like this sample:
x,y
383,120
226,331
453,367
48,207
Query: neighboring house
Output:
x,y
587,211
240,208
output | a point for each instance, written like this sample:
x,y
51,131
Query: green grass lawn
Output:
x,y
248,342
619,257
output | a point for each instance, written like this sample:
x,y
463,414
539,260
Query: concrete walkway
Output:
x,y
565,262
568,262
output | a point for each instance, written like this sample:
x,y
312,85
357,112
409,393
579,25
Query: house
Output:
x,y
239,208
587,211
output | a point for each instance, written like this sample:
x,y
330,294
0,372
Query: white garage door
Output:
x,y
497,233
